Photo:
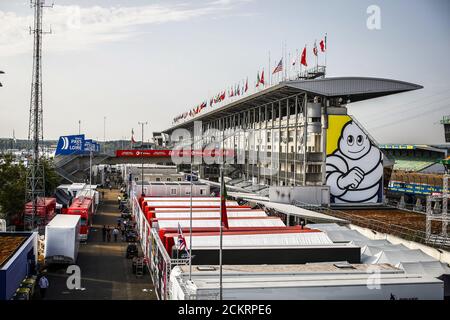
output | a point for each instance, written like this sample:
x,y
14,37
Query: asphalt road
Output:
x,y
105,272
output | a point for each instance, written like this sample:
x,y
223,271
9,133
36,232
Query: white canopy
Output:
x,y
261,240
210,223
430,268
210,214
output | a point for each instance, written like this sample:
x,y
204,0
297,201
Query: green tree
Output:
x,y
12,186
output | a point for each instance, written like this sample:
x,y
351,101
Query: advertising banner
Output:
x,y
354,163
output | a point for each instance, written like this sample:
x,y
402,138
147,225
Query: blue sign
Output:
x,y
68,145
89,145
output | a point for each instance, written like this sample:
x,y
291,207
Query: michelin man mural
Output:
x,y
354,164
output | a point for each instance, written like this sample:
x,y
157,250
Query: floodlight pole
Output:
x,y
142,147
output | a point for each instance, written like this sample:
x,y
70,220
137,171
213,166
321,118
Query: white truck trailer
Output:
x,y
303,282
62,239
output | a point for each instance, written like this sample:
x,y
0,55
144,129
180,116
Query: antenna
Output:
x,y
35,186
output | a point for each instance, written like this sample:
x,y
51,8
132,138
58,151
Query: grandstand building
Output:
x,y
301,131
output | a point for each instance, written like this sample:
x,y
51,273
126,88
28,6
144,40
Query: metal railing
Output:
x,y
435,241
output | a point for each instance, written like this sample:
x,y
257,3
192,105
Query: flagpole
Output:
x,y
221,236
270,76
190,229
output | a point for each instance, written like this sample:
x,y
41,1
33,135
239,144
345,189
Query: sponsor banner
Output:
x,y
89,145
175,153
68,145
354,164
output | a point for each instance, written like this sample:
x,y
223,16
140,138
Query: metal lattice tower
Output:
x,y
35,183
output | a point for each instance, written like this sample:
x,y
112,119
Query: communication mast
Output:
x,y
35,184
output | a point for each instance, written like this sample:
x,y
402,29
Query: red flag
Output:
x,y
303,60
223,203
322,46
132,136
223,95
258,80
262,78
246,85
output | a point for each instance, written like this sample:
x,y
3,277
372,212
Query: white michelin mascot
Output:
x,y
355,169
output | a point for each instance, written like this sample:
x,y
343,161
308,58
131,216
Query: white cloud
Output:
x,y
75,27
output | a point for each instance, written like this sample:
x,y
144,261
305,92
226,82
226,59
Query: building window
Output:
x,y
179,179
202,192
158,179
173,191
168,179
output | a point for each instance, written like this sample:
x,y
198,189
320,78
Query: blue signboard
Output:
x,y
68,145
89,145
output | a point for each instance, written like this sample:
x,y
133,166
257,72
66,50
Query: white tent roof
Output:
x,y
261,240
326,226
210,214
369,242
430,268
345,235
188,204
402,256
296,211
370,250
164,224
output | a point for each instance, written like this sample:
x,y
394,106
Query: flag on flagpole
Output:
x,y
315,51
258,80
132,137
279,67
303,59
246,86
322,45
262,78
182,246
223,201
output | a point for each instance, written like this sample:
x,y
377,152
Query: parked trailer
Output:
x,y
302,282
62,239
215,222
209,214
83,207
46,210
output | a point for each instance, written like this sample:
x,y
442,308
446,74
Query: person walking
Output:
x,y
43,285
122,230
115,234
104,233
108,233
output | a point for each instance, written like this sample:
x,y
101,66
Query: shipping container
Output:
x,y
18,257
302,282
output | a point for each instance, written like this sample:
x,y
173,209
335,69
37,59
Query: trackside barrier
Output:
x,y
157,259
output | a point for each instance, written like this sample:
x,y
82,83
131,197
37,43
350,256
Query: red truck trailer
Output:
x,y
83,207
46,210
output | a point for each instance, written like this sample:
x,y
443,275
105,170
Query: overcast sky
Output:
x,y
139,60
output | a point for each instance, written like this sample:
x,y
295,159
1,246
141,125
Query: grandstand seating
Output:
x,y
413,164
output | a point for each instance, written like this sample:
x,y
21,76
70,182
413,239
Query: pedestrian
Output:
x,y
43,285
104,233
110,187
122,229
108,234
115,233
119,199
